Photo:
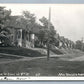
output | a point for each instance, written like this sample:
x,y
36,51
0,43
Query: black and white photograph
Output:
x,y
41,82
42,40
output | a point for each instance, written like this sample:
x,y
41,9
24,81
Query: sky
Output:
x,y
68,19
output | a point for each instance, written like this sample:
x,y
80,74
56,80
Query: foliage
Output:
x,y
27,21
4,17
4,41
46,34
30,20
4,31
79,45
45,22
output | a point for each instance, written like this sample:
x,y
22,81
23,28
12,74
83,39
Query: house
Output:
x,y
65,43
19,36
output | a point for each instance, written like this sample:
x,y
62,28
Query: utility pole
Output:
x,y
82,39
82,43
48,46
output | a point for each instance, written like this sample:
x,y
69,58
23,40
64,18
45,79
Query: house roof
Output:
x,y
14,23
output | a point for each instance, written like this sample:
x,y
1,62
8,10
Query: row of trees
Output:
x,y
28,22
80,45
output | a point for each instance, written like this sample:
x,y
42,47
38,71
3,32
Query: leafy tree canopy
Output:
x,y
46,34
4,17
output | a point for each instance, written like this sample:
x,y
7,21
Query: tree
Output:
x,y
30,20
44,21
4,17
46,34
79,44
4,31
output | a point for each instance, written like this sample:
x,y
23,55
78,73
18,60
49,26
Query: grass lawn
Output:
x,y
32,52
21,51
46,68
56,65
